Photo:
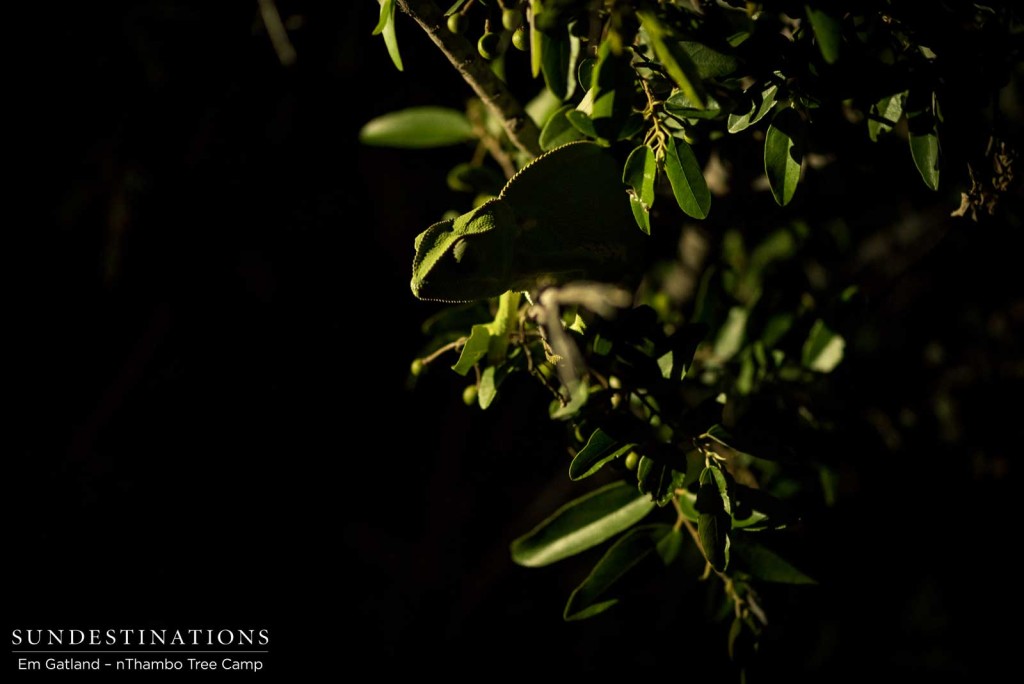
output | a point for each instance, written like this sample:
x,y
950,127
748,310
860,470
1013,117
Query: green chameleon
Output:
x,y
564,217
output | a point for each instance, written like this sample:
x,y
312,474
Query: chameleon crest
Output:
x,y
565,216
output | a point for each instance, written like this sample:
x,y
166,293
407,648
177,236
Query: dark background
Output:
x,y
213,424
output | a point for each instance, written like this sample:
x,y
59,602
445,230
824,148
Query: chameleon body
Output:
x,y
565,216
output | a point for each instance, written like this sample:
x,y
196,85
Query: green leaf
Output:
x,y
455,7
823,349
582,524
827,31
710,63
640,173
640,214
582,123
600,449
536,48
578,398
418,127
475,349
884,114
713,495
713,531
613,86
687,501
490,380
924,136
386,25
767,565
658,480
762,102
681,106
684,342
673,57
687,179
731,333
387,8
557,55
590,597
670,545
542,107
714,521
558,130
783,154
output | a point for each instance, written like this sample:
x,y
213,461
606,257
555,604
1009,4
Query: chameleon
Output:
x,y
565,216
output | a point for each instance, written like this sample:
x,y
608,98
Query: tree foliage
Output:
x,y
695,409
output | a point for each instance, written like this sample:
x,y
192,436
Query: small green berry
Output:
x,y
469,395
511,19
521,39
632,460
416,368
487,46
456,23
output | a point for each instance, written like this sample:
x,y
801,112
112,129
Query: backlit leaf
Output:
x,y
783,154
582,524
591,597
687,179
418,127
600,449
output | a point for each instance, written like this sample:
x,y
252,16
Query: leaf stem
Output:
x,y
491,90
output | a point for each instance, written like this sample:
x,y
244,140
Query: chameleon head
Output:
x,y
465,258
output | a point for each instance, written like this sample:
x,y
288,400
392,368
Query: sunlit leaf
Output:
x,y
827,32
687,179
640,172
558,130
580,394
582,524
386,25
640,213
924,136
731,333
536,47
600,449
678,104
591,597
884,114
490,381
823,349
418,127
762,102
456,6
582,123
543,106
783,154
475,349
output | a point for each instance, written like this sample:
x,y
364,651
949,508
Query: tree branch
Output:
x,y
489,88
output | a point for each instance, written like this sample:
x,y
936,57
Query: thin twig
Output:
x,y
278,35
446,348
491,90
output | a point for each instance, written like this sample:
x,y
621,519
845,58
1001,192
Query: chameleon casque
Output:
x,y
563,217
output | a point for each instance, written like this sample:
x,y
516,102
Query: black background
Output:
x,y
212,424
